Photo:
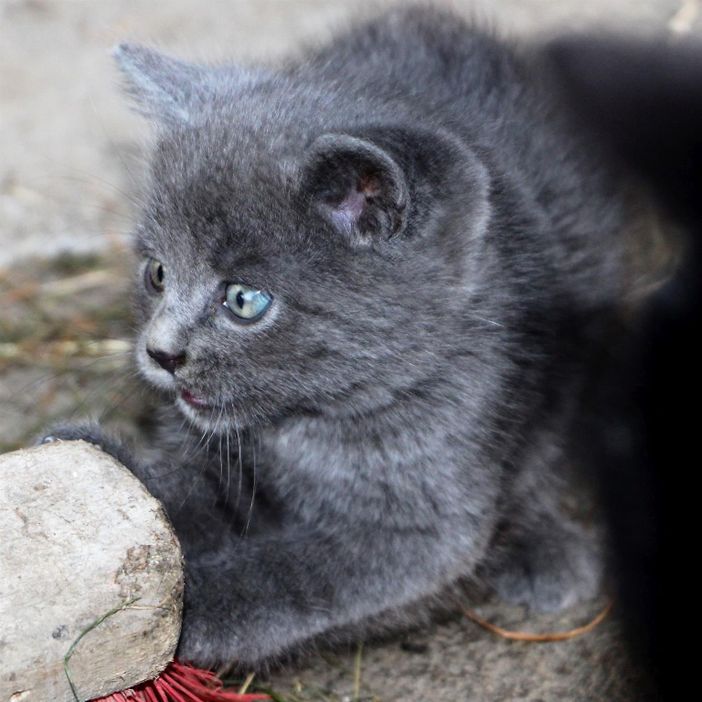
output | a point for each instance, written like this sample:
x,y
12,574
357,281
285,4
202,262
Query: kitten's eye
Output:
x,y
245,303
155,275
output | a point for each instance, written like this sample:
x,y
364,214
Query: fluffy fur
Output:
x,y
440,244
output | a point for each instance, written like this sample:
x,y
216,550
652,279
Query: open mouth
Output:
x,y
194,401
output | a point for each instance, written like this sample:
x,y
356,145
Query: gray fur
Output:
x,y
438,242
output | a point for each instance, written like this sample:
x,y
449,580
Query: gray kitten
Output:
x,y
369,283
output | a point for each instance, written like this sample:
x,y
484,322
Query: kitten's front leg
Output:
x,y
260,597
93,433
190,497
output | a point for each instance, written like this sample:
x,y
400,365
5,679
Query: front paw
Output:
x,y
92,433
210,635
225,623
551,570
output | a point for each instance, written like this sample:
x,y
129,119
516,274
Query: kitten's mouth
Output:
x,y
194,401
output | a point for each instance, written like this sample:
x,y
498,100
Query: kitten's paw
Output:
x,y
90,432
84,431
199,642
210,637
550,571
225,622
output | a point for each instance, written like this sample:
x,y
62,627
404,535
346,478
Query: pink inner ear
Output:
x,y
350,209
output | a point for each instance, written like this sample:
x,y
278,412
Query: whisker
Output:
x,y
253,486
241,467
488,321
229,471
221,468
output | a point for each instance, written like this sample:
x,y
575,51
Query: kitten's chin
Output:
x,y
204,417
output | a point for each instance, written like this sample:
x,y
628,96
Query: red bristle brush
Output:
x,y
182,683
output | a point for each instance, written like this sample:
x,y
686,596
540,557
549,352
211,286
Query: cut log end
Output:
x,y
82,542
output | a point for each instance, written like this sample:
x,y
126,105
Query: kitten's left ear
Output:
x,y
358,186
162,87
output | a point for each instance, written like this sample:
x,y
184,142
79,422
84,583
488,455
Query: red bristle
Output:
x,y
182,683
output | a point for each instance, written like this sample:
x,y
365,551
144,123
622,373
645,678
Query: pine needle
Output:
x,y
535,637
85,631
247,683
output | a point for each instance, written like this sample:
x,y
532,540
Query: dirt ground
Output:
x,y
70,171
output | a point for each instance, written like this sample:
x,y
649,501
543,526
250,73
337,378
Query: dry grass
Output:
x,y
65,346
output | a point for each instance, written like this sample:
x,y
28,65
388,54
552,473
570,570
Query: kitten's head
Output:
x,y
299,254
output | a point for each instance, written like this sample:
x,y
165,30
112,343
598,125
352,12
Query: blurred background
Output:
x,y
65,128
71,168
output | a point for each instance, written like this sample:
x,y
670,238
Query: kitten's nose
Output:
x,y
167,361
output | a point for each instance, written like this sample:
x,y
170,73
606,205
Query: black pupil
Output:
x,y
240,299
159,273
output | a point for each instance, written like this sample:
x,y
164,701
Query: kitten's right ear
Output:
x,y
162,87
358,186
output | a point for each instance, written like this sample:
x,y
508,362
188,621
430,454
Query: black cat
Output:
x,y
644,101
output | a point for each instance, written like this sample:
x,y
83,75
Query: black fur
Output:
x,y
644,101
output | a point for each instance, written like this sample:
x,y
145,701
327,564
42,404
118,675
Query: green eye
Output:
x,y
155,275
245,303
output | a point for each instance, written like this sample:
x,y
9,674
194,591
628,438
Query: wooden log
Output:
x,y
80,537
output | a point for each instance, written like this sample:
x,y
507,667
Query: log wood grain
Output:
x,y
80,536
